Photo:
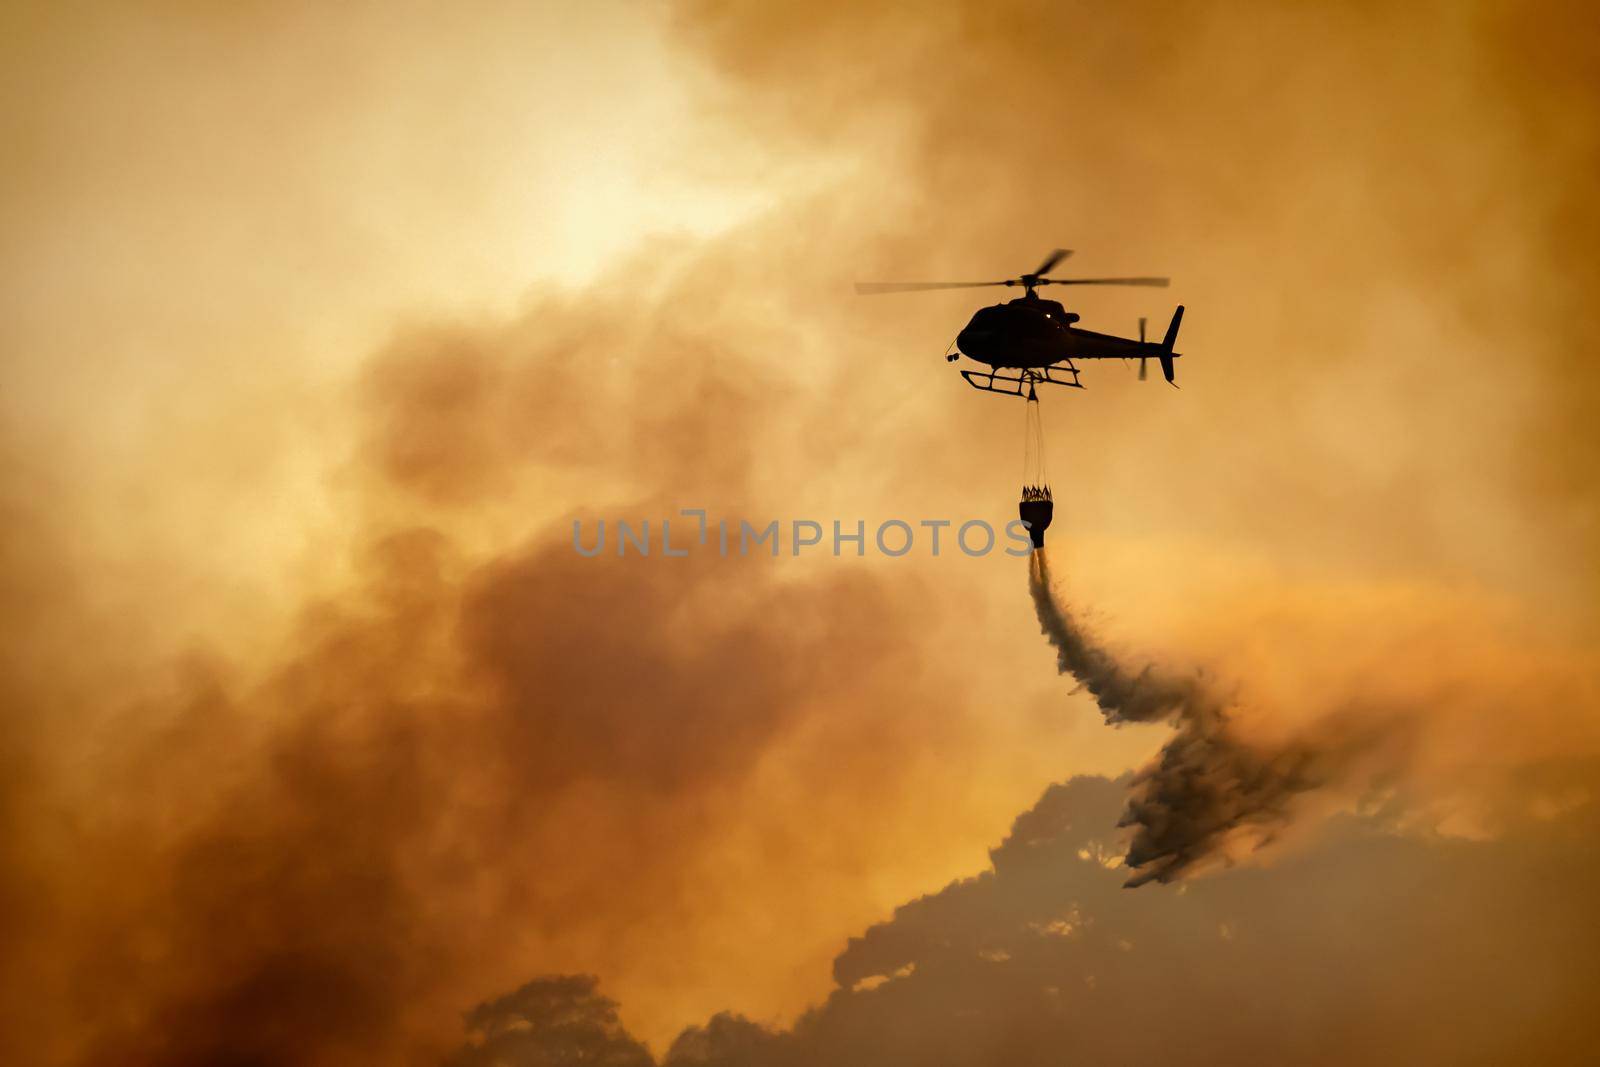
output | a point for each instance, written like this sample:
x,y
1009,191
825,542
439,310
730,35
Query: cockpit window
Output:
x,y
989,316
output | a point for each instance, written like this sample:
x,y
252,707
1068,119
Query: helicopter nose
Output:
x,y
974,342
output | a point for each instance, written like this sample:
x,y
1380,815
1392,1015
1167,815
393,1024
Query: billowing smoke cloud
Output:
x,y
317,732
473,751
1209,786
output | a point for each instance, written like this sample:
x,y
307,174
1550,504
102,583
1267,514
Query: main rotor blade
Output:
x,y
872,288
1158,282
1052,259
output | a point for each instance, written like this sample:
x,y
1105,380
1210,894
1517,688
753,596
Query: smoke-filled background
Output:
x,y
321,326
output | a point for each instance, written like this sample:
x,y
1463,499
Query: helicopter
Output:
x,y
1036,338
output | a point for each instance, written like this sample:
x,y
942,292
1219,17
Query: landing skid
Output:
x,y
1022,384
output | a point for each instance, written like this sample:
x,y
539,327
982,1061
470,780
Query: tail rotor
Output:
x,y
1144,362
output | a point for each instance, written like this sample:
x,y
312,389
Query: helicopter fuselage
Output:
x,y
1036,337
1031,332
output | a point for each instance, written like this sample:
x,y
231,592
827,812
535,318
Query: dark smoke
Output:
x,y
464,757
1209,784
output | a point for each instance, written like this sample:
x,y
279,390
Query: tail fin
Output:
x,y
1169,341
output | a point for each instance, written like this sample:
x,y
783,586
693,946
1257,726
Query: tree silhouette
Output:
x,y
550,1022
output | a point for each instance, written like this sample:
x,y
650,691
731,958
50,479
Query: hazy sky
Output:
x,y
319,328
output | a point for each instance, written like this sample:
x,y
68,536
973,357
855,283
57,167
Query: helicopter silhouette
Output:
x,y
1036,337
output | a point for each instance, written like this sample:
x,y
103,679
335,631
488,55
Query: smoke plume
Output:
x,y
322,323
